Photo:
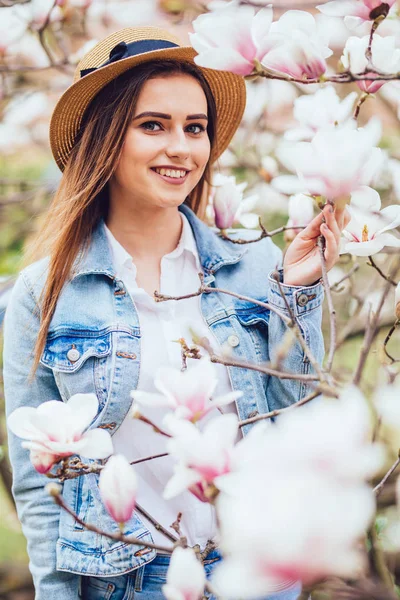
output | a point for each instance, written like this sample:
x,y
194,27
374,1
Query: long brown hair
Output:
x,y
82,196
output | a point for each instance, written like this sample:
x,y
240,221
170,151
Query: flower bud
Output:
x,y
53,489
118,486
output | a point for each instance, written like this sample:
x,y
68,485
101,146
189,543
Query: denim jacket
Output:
x,y
96,316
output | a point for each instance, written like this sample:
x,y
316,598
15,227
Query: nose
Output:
x,y
178,145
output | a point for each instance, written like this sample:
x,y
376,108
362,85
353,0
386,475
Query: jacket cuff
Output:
x,y
301,299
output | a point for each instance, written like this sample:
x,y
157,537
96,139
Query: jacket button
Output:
x,y
73,355
302,300
233,341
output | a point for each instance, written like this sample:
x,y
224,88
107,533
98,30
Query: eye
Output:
x,y
199,126
147,123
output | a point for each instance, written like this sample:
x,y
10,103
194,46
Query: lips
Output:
x,y
171,180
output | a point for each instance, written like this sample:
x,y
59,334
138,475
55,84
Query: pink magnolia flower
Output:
x,y
298,48
385,58
188,393
356,12
186,577
367,232
203,455
235,38
232,38
336,162
271,542
229,205
320,454
118,487
57,429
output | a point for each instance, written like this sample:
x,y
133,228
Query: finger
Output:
x,y
313,229
331,221
331,246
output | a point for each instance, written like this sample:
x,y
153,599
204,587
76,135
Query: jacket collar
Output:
x,y
214,252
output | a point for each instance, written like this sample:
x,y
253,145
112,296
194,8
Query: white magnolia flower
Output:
x,y
385,58
188,393
322,110
356,12
58,428
12,28
186,577
367,232
267,96
271,541
118,487
336,162
36,12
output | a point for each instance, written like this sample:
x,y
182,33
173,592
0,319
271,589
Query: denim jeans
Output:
x,y
146,582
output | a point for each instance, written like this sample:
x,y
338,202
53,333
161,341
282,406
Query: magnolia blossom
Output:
x,y
229,205
299,49
12,28
276,530
203,455
36,12
118,486
267,96
322,110
385,58
356,12
56,429
301,213
188,393
386,400
366,233
336,162
320,455
186,577
234,38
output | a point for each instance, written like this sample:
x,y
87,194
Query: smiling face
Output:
x,y
166,147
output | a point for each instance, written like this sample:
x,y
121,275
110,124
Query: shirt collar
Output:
x,y
123,260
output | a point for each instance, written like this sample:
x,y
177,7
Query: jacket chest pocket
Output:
x,y
81,362
256,327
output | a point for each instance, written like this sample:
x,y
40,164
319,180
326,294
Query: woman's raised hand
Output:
x,y
302,263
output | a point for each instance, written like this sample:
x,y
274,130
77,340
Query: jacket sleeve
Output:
x,y
306,304
38,513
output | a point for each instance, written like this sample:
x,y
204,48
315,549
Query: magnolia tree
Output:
x,y
297,498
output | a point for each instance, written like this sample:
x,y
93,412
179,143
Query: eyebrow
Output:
x,y
165,116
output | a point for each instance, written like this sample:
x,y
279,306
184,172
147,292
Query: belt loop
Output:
x,y
80,586
139,578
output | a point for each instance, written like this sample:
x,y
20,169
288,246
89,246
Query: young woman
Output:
x,y
135,136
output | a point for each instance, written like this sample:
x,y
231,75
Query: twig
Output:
x,y
372,263
288,321
380,486
353,270
118,537
378,558
156,524
331,308
387,338
146,458
279,411
361,100
372,328
383,12
264,234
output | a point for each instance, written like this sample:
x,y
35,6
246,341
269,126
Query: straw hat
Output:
x,y
121,51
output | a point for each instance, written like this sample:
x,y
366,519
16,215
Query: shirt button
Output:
x,y
233,341
73,355
302,300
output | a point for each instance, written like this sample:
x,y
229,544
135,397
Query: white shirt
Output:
x,y
161,323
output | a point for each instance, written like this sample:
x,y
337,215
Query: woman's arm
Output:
x,y
305,303
37,511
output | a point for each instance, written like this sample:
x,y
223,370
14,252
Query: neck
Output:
x,y
146,234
